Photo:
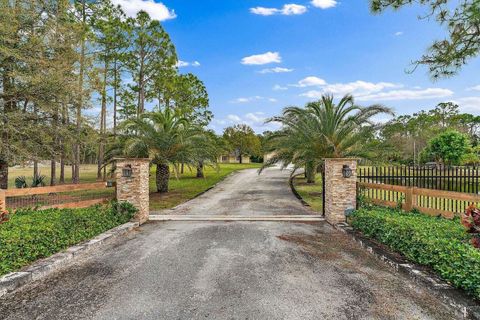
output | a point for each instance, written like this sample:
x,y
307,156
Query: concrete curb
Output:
x,y
455,298
44,267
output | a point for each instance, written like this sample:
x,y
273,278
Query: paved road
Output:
x,y
237,270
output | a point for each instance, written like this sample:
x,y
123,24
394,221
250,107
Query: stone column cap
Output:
x,y
133,159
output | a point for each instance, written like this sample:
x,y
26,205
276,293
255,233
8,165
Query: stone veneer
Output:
x,y
134,189
340,192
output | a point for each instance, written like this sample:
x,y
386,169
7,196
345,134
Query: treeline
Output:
x,y
74,75
443,135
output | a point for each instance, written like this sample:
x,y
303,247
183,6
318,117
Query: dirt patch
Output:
x,y
313,246
164,196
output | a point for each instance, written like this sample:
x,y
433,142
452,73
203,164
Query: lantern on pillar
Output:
x,y
127,171
346,171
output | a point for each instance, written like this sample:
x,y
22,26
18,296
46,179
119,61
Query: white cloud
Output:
x,y
234,118
182,64
156,10
369,91
251,99
475,88
469,104
287,10
264,11
416,94
358,87
399,33
256,120
311,82
275,70
264,58
324,4
255,117
278,87
293,9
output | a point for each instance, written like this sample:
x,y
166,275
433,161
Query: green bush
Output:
x,y
33,234
438,243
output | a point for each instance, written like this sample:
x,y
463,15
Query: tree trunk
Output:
x,y
76,157
241,159
3,174
310,172
200,170
53,172
115,85
182,168
62,169
35,168
103,122
162,177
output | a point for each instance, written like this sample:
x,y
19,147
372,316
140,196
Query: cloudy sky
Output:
x,y
257,56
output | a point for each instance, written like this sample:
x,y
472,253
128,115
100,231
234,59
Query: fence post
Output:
x,y
132,176
3,201
408,205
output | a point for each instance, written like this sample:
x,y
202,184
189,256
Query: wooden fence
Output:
x,y
62,196
447,204
459,179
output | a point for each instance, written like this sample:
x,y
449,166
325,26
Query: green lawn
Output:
x,y
183,188
188,186
310,193
88,173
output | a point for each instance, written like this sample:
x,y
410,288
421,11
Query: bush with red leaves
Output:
x,y
471,221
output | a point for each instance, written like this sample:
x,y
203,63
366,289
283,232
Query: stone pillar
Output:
x,y
340,192
132,179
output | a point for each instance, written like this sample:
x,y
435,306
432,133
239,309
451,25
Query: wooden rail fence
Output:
x,y
447,204
61,196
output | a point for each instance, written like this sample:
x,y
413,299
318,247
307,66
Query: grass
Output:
x,y
88,173
182,189
188,186
310,193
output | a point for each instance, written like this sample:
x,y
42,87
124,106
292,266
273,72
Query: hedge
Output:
x,y
438,243
33,234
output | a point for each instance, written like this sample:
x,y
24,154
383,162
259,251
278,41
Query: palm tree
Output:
x,y
163,135
205,148
322,129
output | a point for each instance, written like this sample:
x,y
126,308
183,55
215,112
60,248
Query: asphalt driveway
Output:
x,y
235,270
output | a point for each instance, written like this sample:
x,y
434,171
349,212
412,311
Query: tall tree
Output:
x,y
110,29
151,54
242,140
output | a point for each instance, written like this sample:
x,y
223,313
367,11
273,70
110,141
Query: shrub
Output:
x,y
471,221
438,243
30,234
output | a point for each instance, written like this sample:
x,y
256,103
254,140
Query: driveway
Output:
x,y
236,270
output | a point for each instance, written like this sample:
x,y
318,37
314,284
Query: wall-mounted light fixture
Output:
x,y
346,171
127,171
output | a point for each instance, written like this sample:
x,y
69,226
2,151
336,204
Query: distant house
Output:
x,y
232,157
268,156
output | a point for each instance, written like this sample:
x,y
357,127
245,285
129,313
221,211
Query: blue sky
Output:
x,y
258,56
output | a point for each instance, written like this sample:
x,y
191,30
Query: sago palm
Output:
x,y
322,129
162,136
